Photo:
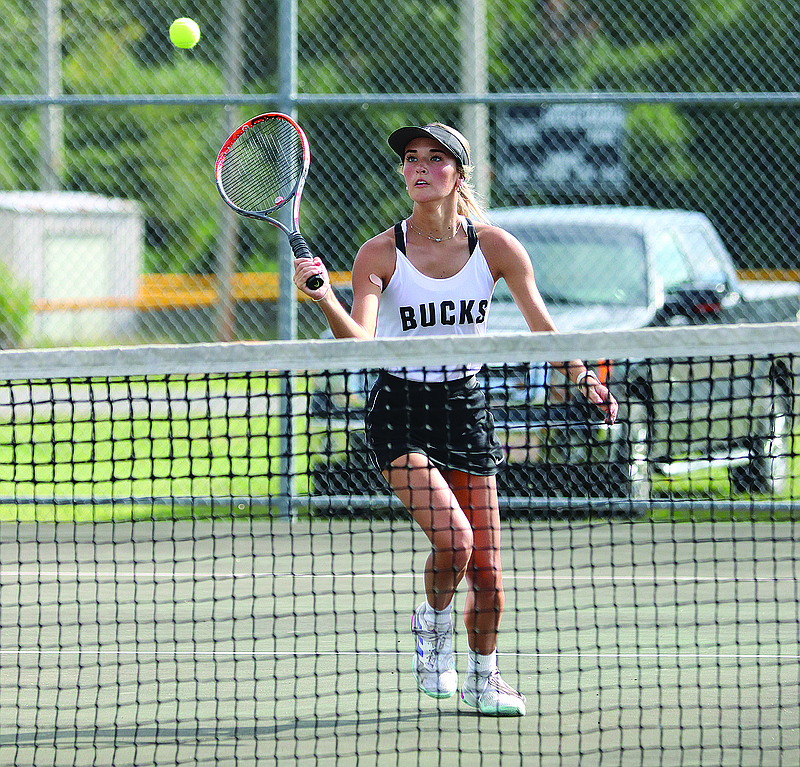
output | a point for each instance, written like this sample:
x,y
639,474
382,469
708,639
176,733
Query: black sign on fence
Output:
x,y
562,148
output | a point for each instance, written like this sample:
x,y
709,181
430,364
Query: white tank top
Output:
x,y
413,304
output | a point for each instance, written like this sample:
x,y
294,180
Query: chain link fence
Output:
x,y
111,228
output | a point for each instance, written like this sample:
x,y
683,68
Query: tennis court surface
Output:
x,y
175,589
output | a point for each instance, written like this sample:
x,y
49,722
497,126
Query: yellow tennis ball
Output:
x,y
184,33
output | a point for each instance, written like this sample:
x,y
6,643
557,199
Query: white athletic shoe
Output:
x,y
434,666
492,696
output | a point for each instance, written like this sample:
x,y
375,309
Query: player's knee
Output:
x,y
485,572
455,545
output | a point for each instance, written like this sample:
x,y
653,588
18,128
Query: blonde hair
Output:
x,y
468,203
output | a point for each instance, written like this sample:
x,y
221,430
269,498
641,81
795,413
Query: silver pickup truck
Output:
x,y
608,267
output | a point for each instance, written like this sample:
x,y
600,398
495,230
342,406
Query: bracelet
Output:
x,y
583,376
317,300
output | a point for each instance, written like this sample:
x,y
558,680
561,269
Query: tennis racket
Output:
x,y
261,168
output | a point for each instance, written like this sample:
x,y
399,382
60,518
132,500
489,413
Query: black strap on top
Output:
x,y
472,237
400,240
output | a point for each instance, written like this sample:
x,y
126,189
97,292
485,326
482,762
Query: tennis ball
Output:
x,y
184,33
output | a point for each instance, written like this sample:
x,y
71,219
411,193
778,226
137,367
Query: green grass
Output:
x,y
713,484
126,512
176,452
689,514
82,460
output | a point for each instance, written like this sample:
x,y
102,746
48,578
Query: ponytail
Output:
x,y
468,203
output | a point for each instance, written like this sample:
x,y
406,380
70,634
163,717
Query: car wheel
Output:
x,y
767,471
633,464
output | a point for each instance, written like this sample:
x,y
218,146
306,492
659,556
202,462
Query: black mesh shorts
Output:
x,y
449,422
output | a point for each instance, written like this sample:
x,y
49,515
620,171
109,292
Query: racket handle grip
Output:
x,y
301,250
314,282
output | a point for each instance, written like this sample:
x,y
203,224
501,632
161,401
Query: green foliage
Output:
x,y
161,156
15,309
411,48
659,141
18,42
633,22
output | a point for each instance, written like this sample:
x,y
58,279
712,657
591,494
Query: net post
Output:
x,y
287,331
284,502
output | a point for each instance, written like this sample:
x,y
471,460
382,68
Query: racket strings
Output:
x,y
263,166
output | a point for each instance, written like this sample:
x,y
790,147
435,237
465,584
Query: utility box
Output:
x,y
80,255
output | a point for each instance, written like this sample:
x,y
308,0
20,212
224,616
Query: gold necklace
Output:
x,y
430,237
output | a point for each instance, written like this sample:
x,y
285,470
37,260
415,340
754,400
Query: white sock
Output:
x,y
481,664
440,620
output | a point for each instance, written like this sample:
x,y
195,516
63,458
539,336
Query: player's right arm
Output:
x,y
372,270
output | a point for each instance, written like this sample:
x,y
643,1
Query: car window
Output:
x,y
701,250
584,264
670,261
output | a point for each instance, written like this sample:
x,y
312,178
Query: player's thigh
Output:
x,y
477,496
424,491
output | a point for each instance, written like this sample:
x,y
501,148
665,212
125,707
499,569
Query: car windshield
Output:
x,y
584,264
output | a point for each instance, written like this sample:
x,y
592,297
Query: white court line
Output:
x,y
399,653
638,577
171,575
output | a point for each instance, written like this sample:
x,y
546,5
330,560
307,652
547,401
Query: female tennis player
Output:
x,y
430,432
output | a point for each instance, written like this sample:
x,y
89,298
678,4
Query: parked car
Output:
x,y
608,267
614,268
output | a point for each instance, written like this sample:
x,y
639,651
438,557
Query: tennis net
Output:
x,y
198,565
